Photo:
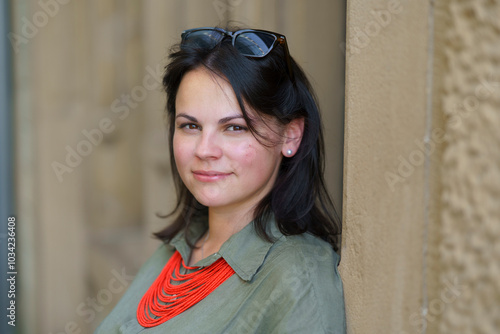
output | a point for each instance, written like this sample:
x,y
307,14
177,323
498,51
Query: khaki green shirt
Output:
x,y
289,286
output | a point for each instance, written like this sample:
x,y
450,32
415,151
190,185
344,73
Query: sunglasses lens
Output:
x,y
202,38
254,44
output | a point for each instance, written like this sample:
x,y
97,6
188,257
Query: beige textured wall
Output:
x,y
386,103
469,251
422,167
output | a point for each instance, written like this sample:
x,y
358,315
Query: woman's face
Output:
x,y
218,158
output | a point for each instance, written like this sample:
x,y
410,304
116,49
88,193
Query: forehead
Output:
x,y
202,90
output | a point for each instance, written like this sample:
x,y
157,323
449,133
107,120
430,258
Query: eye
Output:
x,y
234,127
189,126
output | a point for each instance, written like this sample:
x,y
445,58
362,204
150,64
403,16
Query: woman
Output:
x,y
253,246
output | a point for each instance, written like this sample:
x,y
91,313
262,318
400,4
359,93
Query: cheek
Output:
x,y
250,154
251,158
240,156
246,154
181,152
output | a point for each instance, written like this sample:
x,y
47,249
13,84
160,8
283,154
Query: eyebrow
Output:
x,y
221,121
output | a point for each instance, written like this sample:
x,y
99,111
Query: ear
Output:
x,y
293,136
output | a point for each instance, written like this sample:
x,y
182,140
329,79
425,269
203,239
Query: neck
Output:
x,y
222,225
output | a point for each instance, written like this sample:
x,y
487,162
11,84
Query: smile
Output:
x,y
209,176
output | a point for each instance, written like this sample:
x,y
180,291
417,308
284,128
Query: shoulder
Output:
x,y
303,272
305,251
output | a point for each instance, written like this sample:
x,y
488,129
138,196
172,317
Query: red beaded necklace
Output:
x,y
165,300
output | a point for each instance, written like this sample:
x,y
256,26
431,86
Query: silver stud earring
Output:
x,y
289,152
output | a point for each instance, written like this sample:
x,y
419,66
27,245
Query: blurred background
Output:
x,y
410,96
82,120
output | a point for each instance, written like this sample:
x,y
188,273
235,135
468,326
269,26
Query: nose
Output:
x,y
208,146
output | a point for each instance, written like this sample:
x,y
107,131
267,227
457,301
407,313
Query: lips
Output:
x,y
209,176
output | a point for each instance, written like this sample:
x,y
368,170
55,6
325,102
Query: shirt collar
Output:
x,y
244,251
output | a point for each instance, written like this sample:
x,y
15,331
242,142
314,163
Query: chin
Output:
x,y
209,202
213,202
211,196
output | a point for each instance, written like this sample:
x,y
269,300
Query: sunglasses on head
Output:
x,y
250,43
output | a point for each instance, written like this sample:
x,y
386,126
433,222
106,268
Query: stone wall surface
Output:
x,y
469,252
383,211
422,167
